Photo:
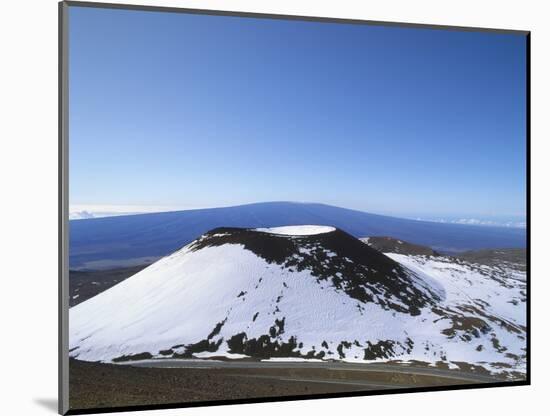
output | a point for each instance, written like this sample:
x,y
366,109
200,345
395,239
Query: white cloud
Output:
x,y
80,215
480,222
79,212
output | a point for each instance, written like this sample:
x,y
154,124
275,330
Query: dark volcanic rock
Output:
x,y
512,257
394,245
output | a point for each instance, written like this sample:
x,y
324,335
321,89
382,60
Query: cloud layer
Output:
x,y
481,222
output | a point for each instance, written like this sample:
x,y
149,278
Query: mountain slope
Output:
x,y
307,293
515,259
394,245
137,239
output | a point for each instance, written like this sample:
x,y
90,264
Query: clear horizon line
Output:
x,y
88,211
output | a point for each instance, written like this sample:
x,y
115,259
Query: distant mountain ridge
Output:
x,y
131,240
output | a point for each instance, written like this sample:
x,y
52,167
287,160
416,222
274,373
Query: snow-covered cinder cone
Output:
x,y
311,292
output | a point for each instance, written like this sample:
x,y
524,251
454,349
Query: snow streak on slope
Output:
x,y
325,295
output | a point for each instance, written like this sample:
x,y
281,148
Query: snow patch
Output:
x,y
298,230
231,356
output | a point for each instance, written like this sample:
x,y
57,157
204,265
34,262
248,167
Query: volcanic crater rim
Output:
x,y
297,230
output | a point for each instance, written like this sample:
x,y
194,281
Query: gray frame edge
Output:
x,y
258,15
63,210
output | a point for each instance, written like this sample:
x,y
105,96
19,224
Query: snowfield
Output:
x,y
232,294
479,292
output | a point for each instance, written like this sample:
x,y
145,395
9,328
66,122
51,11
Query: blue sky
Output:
x,y
196,111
